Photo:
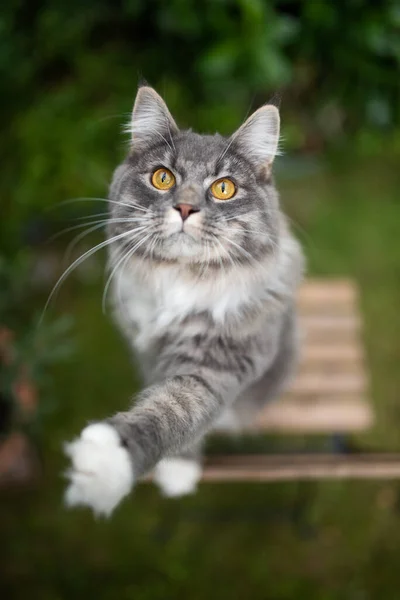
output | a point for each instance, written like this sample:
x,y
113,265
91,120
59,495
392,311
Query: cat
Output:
x,y
204,272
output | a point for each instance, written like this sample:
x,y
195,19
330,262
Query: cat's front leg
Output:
x,y
109,456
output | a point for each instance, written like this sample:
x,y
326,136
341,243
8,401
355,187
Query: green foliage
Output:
x,y
69,73
28,347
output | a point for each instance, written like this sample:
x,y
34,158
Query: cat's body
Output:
x,y
169,316
204,292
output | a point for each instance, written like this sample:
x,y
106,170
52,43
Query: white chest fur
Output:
x,y
163,296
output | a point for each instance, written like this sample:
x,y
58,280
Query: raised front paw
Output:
x,y
101,473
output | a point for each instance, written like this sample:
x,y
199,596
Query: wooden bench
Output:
x,y
330,391
287,467
328,395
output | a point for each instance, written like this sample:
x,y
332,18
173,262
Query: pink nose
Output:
x,y
186,210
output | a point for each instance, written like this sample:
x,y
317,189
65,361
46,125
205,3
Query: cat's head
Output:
x,y
202,200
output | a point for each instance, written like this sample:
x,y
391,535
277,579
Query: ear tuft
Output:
x,y
143,83
151,120
258,137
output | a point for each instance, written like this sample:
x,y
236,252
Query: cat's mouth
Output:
x,y
182,235
182,243
184,231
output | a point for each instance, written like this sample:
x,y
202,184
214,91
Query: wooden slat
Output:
x,y
329,392
327,297
265,468
331,368
328,291
321,383
330,322
331,353
349,337
316,414
327,309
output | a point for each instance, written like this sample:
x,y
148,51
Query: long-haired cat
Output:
x,y
204,272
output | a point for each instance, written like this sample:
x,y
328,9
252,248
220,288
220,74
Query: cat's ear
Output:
x,y
151,120
258,137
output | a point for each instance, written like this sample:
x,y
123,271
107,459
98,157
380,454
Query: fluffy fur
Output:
x,y
177,476
207,303
102,473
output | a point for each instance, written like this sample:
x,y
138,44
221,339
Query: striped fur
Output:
x,y
206,304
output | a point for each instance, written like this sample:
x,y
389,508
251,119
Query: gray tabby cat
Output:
x,y
204,272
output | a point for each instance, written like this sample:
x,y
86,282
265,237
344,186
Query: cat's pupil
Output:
x,y
223,187
163,177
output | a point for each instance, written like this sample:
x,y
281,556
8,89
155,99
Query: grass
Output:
x,y
324,540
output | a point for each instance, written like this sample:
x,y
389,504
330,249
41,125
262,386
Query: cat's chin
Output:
x,y
182,245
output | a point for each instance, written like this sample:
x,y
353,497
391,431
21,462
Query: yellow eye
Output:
x,y
163,179
223,189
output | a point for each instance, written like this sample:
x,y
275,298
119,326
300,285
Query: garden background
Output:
x,y
69,73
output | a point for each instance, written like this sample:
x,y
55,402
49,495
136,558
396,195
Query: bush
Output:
x,y
69,73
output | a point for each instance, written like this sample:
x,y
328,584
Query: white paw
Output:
x,y
101,473
177,476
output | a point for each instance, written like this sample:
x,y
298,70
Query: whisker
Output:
x,y
229,144
74,228
127,255
220,261
85,217
241,230
206,264
236,217
242,250
76,263
76,241
170,134
99,222
208,255
118,284
152,246
107,200
225,251
82,235
132,203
